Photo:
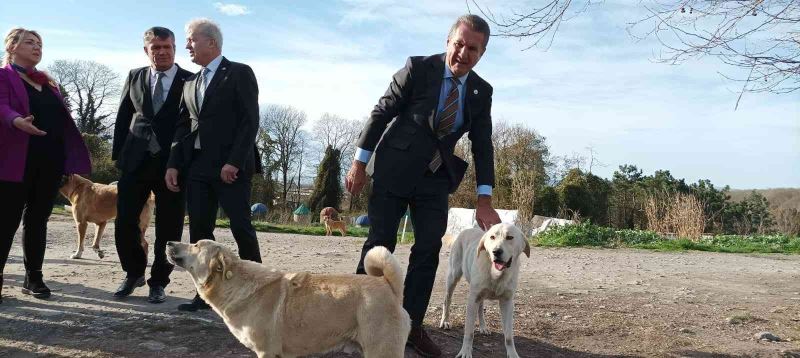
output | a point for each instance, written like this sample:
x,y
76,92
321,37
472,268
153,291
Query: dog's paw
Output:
x,y
100,253
76,255
444,324
512,355
484,331
465,353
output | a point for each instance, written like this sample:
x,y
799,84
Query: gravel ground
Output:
x,y
570,303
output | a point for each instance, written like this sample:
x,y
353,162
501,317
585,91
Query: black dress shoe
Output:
x,y
127,286
34,285
419,340
1,288
195,304
156,295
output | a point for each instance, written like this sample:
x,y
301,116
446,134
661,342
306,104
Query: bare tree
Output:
x,y
761,37
93,89
757,36
540,23
282,125
338,132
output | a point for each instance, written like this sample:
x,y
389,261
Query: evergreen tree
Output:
x,y
327,186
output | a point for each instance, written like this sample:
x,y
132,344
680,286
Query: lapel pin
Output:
x,y
224,68
475,91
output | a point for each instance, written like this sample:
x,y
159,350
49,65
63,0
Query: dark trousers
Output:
x,y
428,204
134,190
32,202
205,193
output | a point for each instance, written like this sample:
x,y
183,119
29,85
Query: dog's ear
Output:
x,y
222,265
527,250
480,245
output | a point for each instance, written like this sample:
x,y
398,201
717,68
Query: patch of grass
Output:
x,y
586,234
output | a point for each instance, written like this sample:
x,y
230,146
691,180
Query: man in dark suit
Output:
x,y
430,103
148,112
214,144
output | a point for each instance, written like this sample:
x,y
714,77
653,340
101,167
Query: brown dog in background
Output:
x,y
331,225
97,203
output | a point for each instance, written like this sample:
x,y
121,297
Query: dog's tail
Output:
x,y
380,262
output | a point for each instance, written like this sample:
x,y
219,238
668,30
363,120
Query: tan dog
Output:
x,y
486,260
278,314
331,225
97,203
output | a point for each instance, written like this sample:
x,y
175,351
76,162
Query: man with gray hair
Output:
x,y
143,132
431,103
213,155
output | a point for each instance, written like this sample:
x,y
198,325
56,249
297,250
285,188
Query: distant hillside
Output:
x,y
780,198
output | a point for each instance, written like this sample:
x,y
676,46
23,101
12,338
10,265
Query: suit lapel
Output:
x,y
471,96
147,100
435,78
219,75
190,95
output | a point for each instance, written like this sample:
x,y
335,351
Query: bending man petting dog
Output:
x,y
433,101
148,112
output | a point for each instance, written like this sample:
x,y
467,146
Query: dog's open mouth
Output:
x,y
500,265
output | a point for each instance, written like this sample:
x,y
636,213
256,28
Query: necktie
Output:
x,y
446,120
201,86
158,93
202,83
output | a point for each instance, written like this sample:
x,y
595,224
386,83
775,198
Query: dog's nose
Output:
x,y
498,252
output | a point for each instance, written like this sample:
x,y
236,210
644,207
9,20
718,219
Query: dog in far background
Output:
x,y
97,203
328,212
331,225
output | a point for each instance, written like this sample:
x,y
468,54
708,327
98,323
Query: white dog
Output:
x,y
487,262
286,315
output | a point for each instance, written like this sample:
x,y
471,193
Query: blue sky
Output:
x,y
594,87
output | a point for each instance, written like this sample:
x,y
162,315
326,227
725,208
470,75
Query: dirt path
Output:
x,y
571,303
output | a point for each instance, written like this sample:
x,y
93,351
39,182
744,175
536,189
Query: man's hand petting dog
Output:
x,y
485,214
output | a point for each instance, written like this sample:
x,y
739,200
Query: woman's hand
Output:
x,y
26,125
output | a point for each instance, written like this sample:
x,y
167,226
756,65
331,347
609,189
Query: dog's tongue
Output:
x,y
499,266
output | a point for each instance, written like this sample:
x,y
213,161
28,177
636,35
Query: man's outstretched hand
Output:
x,y
485,214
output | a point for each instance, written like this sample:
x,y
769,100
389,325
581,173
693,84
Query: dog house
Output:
x,y
302,214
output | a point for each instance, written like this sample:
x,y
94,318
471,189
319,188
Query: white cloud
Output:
x,y
232,9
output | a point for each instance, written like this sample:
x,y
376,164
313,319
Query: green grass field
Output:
x,y
586,234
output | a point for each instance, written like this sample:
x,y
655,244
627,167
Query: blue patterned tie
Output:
x,y
446,119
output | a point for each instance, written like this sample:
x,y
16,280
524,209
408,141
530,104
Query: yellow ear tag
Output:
x,y
228,274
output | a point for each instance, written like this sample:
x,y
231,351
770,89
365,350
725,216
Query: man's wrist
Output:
x,y
359,164
484,200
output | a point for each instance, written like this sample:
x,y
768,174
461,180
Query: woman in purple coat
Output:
x,y
39,143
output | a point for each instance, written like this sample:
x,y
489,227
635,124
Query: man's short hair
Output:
x,y
475,23
206,27
158,31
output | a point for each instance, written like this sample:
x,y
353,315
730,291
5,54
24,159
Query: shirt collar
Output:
x,y
212,66
168,73
449,74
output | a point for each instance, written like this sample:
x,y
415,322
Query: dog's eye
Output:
x,y
491,237
509,238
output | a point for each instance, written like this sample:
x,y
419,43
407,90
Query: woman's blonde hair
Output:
x,y
13,38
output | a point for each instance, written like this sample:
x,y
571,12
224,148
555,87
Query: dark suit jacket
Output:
x,y
227,123
136,122
404,148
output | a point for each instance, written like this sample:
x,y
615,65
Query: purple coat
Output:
x,y
14,142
